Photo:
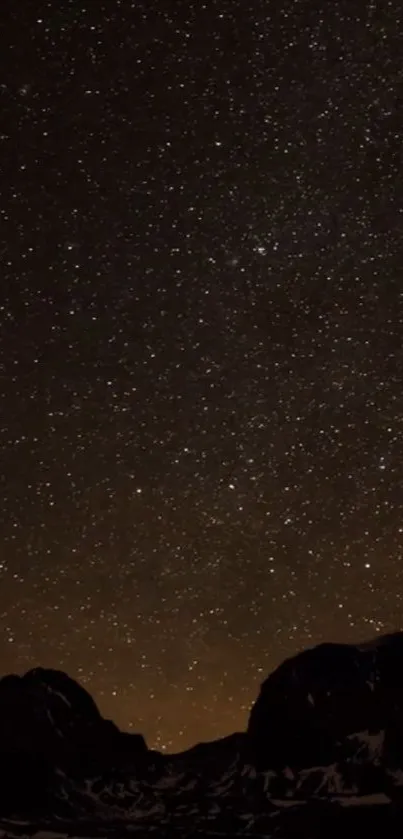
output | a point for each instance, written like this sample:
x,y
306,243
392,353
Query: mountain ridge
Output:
x,y
325,731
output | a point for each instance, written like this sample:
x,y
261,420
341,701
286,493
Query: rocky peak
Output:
x,y
45,711
325,694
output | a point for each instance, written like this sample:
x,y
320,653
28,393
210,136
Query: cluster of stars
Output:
x,y
201,427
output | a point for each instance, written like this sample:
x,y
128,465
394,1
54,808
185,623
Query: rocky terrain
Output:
x,y
322,755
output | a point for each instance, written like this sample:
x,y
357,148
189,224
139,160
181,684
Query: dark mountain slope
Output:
x,y
322,754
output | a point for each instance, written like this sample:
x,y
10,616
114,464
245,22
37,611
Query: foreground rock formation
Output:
x,y
323,753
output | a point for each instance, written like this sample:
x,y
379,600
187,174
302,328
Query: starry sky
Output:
x,y
201,362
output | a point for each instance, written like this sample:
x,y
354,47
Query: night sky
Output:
x,y
201,300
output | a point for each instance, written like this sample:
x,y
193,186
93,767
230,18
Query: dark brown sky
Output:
x,y
201,356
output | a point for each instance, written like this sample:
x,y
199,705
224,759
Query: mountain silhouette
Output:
x,y
323,746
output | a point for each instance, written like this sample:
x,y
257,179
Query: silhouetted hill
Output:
x,y
311,707
322,754
46,711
